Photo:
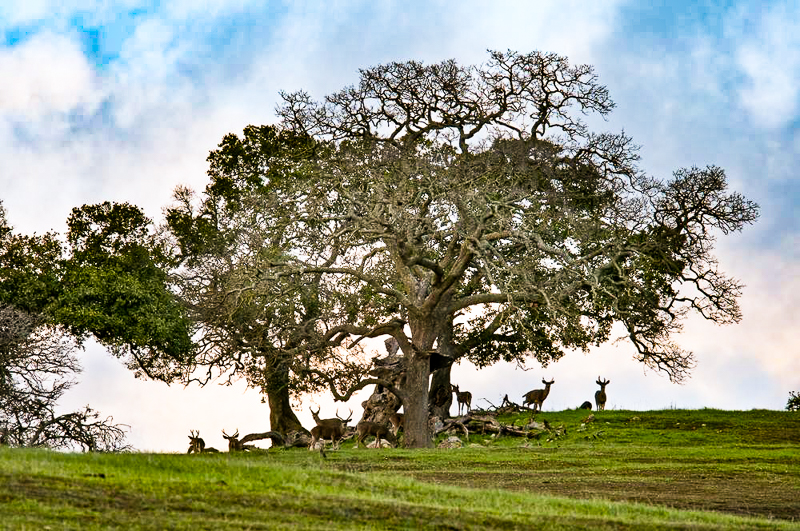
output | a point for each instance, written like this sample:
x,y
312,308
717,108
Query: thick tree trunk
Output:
x,y
415,404
424,331
382,404
281,417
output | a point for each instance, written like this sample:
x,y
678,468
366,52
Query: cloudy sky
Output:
x,y
122,101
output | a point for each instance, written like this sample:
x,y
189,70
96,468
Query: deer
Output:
x,y
234,444
397,420
463,398
364,429
332,429
600,396
586,405
537,396
198,445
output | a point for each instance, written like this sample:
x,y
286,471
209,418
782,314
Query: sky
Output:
x,y
123,100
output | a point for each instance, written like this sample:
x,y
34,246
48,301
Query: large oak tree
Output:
x,y
480,209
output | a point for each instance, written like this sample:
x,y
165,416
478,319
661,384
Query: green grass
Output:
x,y
703,469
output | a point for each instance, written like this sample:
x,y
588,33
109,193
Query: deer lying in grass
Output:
x,y
397,420
234,444
332,429
463,398
537,396
364,429
198,445
600,396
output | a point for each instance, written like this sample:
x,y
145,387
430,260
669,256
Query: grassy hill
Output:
x,y
703,469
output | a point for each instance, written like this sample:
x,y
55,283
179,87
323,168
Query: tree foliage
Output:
x,y
114,287
37,360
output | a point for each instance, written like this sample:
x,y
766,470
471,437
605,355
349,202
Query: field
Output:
x,y
671,469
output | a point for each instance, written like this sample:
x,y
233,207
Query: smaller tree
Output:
x,y
793,404
110,287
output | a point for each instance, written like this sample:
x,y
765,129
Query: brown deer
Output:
x,y
198,445
600,396
397,420
364,429
234,444
537,396
332,429
463,398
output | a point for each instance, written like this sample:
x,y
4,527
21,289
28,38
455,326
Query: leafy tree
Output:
x,y
273,331
111,286
485,219
29,272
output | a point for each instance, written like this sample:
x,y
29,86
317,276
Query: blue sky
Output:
x,y
122,101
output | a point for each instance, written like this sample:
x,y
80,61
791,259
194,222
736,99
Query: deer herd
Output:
x,y
336,429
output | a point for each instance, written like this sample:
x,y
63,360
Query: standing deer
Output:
x,y
198,445
463,398
332,429
537,396
364,429
600,396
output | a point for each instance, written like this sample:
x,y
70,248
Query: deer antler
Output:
x,y
344,420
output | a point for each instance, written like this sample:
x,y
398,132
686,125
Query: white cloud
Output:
x,y
769,58
19,12
184,9
571,28
14,13
47,74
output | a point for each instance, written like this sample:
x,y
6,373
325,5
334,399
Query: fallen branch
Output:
x,y
473,424
276,438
